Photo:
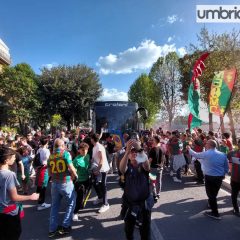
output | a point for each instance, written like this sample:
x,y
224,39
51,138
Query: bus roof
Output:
x,y
115,104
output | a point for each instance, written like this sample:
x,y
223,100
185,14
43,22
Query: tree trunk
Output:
x,y
69,124
170,119
231,123
222,125
210,116
21,125
170,125
73,121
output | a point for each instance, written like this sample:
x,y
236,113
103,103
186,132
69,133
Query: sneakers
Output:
x,y
52,234
155,198
97,201
190,173
171,173
43,206
64,230
236,213
104,208
75,217
60,230
175,179
212,215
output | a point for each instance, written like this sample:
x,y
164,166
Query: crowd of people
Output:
x,y
76,162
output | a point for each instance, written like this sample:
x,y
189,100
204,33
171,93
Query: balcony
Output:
x,y
4,58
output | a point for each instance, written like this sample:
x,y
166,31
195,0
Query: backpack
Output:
x,y
136,186
37,160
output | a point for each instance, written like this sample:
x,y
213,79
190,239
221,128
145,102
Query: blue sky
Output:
x,y
120,39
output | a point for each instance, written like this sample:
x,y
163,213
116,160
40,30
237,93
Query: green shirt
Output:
x,y
223,149
81,163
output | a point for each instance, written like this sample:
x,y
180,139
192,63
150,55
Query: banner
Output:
x,y
194,93
117,138
221,90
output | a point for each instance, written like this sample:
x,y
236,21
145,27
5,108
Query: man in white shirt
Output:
x,y
99,160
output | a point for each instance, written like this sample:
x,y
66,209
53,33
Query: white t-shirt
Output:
x,y
44,155
100,148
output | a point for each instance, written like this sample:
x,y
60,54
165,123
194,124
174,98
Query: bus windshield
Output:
x,y
115,115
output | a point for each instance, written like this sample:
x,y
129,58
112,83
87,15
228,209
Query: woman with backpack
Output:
x,y
137,200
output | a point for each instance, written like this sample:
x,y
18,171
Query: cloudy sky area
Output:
x,y
120,39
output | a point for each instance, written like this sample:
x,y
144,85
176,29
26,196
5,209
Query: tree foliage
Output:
x,y
18,89
165,73
69,91
56,120
224,52
145,92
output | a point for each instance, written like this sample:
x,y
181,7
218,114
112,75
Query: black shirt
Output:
x,y
110,147
156,155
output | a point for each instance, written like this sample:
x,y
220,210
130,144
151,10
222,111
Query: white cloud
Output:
x,y
182,51
174,18
50,65
163,22
169,39
135,58
113,95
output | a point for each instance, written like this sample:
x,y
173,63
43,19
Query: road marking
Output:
x,y
227,193
156,234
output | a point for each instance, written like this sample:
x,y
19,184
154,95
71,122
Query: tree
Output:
x,y
165,73
144,91
18,88
56,120
224,54
69,91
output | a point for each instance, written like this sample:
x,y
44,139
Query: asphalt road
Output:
x,y
178,215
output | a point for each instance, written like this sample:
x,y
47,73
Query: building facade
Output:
x,y
5,58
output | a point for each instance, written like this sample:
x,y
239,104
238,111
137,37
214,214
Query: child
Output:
x,y
81,163
10,209
26,160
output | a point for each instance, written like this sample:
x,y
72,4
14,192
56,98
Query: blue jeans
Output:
x,y
59,191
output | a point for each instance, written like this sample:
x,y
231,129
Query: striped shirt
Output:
x,y
58,166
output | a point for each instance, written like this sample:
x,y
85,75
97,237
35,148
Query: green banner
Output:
x,y
193,103
221,90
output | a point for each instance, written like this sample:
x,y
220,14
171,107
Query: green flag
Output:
x,y
221,90
194,92
193,103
